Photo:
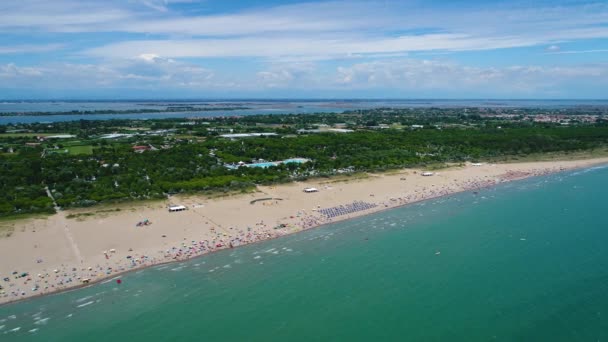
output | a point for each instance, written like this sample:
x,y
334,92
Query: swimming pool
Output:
x,y
286,161
296,160
264,165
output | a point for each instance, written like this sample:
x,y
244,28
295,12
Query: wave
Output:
x,y
85,304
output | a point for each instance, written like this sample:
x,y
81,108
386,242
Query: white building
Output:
x,y
175,208
247,135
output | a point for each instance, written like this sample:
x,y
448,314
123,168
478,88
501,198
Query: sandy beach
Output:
x,y
78,247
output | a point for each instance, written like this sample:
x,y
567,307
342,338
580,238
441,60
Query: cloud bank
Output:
x,y
322,45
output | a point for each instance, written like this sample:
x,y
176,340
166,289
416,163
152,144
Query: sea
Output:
x,y
522,261
253,107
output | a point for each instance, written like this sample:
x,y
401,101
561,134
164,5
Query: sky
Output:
x,y
145,49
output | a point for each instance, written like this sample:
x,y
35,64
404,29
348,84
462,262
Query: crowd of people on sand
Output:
x,y
21,284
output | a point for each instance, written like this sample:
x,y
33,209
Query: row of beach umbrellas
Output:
x,y
347,209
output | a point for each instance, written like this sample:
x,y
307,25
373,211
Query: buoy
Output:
x,y
118,281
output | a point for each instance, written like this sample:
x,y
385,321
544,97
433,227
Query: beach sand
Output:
x,y
61,251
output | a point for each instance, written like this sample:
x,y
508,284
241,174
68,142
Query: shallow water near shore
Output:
x,y
524,261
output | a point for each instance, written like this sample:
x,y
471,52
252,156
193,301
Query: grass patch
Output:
x,y
346,178
16,217
83,149
79,215
214,194
83,215
7,223
393,172
441,166
265,199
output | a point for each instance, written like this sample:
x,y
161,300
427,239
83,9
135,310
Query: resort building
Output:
x,y
140,148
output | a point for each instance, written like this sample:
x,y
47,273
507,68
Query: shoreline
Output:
x,y
468,182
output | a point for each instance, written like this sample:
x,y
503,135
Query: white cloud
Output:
x,y
295,44
288,75
58,15
11,71
314,30
304,46
29,48
404,76
571,52
148,71
411,74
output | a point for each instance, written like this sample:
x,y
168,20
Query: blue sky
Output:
x,y
296,49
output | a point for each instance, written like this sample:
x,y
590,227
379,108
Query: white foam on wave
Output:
x,y
107,281
12,317
176,269
2,327
591,169
15,329
257,257
33,330
42,321
227,266
68,316
85,304
80,300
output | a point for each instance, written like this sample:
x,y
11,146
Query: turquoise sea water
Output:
x,y
525,261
